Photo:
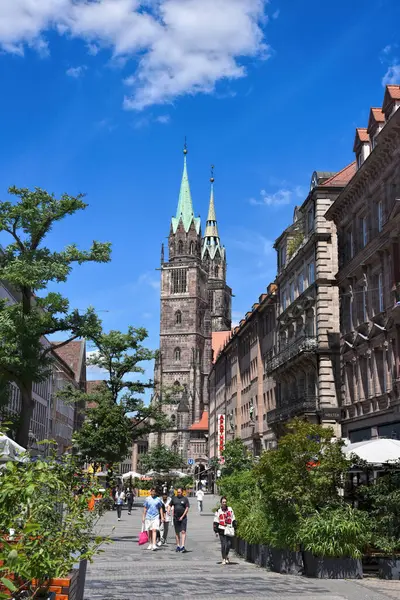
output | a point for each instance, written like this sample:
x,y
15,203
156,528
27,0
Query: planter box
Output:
x,y
323,567
286,561
263,556
389,568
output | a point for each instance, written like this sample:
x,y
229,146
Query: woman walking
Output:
x,y
225,525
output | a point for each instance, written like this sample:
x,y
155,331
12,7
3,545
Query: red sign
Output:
x,y
221,434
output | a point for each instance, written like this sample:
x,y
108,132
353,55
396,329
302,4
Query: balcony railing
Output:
x,y
295,408
301,345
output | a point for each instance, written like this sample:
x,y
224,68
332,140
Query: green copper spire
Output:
x,y
211,240
185,205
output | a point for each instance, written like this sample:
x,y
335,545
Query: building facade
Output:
x,y
241,392
305,361
195,300
367,217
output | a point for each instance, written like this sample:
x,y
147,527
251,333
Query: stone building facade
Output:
x,y
195,301
367,217
240,388
305,361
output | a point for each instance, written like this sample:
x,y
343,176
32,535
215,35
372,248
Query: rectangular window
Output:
x,y
349,244
311,273
380,292
284,301
364,231
310,220
179,281
291,291
300,283
282,257
380,216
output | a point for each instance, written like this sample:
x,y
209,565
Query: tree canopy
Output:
x,y
28,266
160,459
236,457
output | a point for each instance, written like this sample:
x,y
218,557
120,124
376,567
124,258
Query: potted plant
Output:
x,y
333,540
382,502
45,529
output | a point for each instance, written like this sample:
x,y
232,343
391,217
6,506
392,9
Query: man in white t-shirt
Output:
x,y
200,498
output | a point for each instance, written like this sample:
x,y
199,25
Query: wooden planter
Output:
x,y
323,567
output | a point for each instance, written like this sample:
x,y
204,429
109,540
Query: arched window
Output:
x,y
180,247
178,317
177,354
191,247
216,271
173,420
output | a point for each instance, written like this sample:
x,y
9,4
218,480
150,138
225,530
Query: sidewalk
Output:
x,y
126,571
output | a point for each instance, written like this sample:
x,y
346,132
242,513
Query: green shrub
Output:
x,y
336,532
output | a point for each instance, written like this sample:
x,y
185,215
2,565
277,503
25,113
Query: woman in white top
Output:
x,y
225,525
119,501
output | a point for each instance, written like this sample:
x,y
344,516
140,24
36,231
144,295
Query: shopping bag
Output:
x,y
143,537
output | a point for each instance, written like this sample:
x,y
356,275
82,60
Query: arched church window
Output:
x,y
180,247
177,354
178,317
192,247
216,271
173,420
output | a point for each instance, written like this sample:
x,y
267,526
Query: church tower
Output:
x,y
213,255
185,329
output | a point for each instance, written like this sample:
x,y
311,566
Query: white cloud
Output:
x,y
392,75
149,279
180,46
163,119
75,72
93,49
281,197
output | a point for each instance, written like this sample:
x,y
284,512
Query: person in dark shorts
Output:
x,y
180,507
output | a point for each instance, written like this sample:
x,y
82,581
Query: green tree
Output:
x,y
29,267
161,459
236,457
106,434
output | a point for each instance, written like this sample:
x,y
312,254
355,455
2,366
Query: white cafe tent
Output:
x,y
377,451
10,450
132,474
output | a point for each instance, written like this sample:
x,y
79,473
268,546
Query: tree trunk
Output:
x,y
27,406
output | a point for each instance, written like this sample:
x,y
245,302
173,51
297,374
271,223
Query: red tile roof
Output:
x,y
378,115
72,354
394,91
362,134
201,425
218,340
343,177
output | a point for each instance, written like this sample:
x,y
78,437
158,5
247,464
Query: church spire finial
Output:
x,y
211,235
184,210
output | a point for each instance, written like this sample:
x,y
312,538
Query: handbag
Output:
x,y
229,530
143,537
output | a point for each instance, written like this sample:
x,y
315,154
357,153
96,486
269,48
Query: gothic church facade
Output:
x,y
195,302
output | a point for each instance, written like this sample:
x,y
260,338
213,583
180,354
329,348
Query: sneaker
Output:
x,y
150,547
223,561
154,548
119,519
159,544
228,562
183,549
177,549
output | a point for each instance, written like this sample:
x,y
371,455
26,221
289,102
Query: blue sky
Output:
x,y
97,97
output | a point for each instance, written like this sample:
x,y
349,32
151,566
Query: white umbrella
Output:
x,y
132,474
376,452
10,450
177,474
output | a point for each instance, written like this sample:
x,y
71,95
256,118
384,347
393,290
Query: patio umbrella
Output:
x,y
10,450
375,452
132,474
177,474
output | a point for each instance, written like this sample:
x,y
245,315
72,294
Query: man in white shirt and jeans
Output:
x,y
200,498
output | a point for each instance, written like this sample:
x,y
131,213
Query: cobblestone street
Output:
x,y
126,571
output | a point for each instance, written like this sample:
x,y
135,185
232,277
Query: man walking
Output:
x,y
129,498
200,498
119,501
152,514
180,506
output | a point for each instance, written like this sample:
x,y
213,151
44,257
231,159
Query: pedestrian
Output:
x,y
166,500
225,525
200,498
130,496
119,501
153,514
180,506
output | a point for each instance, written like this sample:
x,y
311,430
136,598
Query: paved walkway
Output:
x,y
126,571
